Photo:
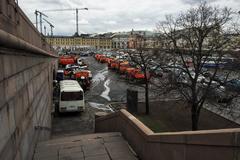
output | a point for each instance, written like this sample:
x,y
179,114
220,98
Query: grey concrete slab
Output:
x,y
71,150
71,156
46,155
94,149
119,150
87,147
99,157
124,157
113,139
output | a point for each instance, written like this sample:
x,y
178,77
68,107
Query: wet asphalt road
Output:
x,y
107,86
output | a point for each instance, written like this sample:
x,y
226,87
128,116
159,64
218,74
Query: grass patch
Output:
x,y
154,124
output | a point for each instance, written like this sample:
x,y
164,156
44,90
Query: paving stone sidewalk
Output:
x,y
103,146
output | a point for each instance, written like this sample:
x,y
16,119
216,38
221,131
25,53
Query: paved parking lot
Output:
x,y
107,87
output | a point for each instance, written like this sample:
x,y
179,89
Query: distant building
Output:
x,y
82,41
142,39
120,40
135,40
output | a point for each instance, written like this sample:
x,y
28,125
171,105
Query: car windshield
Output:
x,y
71,96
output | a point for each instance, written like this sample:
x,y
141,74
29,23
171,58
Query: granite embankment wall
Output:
x,y
27,65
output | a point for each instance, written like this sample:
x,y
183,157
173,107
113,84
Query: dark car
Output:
x,y
84,54
156,71
217,92
60,75
220,79
233,85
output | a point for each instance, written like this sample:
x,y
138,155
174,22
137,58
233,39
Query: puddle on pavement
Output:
x,y
105,93
99,106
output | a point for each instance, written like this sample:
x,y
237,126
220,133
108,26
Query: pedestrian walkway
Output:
x,y
103,146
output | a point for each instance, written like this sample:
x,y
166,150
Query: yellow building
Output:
x,y
83,41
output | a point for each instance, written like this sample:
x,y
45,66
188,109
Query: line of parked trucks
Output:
x,y
74,68
73,79
123,66
222,92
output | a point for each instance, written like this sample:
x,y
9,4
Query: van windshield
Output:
x,y
71,96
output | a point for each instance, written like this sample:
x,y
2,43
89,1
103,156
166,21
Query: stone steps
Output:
x,y
101,146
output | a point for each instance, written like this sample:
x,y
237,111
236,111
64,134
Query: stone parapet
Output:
x,y
15,23
222,144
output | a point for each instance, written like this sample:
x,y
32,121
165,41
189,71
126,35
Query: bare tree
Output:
x,y
142,59
194,37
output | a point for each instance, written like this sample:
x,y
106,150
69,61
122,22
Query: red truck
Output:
x,y
84,78
123,67
64,60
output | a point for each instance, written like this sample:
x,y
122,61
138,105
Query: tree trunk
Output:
x,y
146,99
146,95
195,117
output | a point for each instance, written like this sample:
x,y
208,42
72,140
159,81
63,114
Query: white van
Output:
x,y
71,97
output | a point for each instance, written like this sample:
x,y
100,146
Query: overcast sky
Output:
x,y
111,15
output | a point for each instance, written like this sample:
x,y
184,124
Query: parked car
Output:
x,y
220,79
60,75
156,71
233,85
218,92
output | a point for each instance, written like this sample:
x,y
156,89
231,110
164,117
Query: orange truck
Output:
x,y
114,64
103,59
109,60
140,75
84,78
136,74
123,66
83,73
64,60
130,72
98,57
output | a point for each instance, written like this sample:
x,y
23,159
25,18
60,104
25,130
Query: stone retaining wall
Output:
x,y
223,144
27,63
25,102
